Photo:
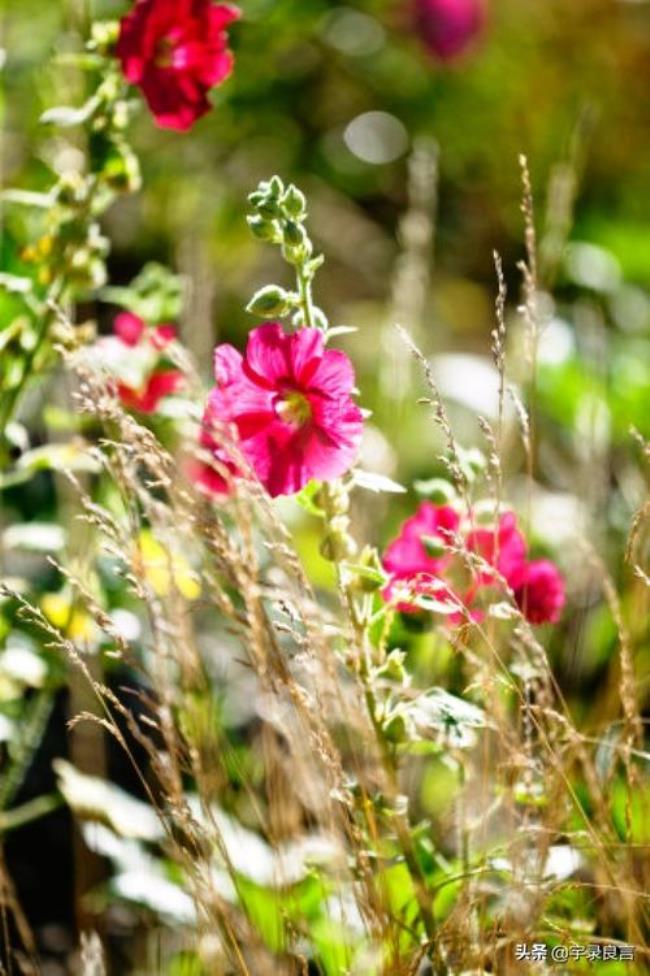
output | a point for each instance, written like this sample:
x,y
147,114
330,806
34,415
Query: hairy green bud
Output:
x,y
270,300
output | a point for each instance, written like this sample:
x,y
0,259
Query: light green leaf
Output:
x,y
15,284
95,799
376,482
66,117
27,198
35,536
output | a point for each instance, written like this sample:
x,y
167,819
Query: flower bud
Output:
x,y
448,28
263,229
369,573
393,668
268,209
338,545
70,189
270,301
294,234
396,727
294,202
332,498
104,35
121,170
275,188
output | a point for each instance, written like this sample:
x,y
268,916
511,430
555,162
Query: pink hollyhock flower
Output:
x,y
212,478
176,51
541,594
504,549
411,552
158,386
134,355
289,400
416,560
419,569
448,27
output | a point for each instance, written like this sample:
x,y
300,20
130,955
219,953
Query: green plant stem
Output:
x,y
306,300
32,732
28,812
11,400
359,621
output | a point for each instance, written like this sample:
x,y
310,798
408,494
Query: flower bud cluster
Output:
x,y
279,215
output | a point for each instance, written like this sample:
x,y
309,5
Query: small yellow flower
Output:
x,y
164,570
75,624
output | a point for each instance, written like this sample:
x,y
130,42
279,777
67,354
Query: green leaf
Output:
x,y
15,284
21,664
438,711
307,498
376,482
95,799
35,536
366,573
27,198
155,296
73,456
66,117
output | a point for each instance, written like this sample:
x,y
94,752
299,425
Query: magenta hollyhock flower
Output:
x,y
541,593
504,549
419,567
289,400
448,27
135,356
411,552
416,561
176,51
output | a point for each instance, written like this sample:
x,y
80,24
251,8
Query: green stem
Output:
x,y
359,621
32,733
11,400
306,300
28,812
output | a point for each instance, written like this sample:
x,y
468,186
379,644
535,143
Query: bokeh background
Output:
x,y
411,166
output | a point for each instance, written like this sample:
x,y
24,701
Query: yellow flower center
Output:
x,y
165,53
294,408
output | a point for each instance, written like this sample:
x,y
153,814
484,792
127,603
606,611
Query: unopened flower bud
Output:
x,y
268,209
338,545
275,188
370,575
104,35
396,728
70,189
333,498
269,301
393,668
294,234
294,202
263,229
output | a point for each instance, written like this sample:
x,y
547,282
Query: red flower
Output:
x,y
415,559
448,27
290,402
176,51
541,595
419,567
134,357
158,386
504,549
